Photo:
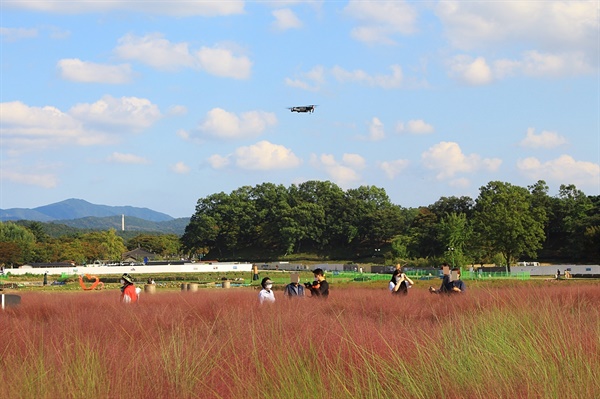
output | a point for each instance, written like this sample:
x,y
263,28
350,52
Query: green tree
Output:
x,y
455,231
507,221
424,233
571,219
103,245
18,244
164,245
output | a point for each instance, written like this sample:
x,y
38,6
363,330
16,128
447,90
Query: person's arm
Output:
x,y
446,284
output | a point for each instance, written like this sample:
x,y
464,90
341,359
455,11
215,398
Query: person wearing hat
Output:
x,y
266,294
320,287
128,292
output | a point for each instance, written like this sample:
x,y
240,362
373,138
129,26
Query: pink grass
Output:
x,y
519,341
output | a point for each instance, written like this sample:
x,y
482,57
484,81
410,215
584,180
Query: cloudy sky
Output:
x,y
157,104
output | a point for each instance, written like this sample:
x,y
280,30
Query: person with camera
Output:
x,y
400,283
320,287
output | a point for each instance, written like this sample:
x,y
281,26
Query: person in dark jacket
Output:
x,y
449,286
294,289
320,287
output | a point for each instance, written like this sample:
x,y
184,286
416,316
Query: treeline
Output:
x,y
504,224
36,242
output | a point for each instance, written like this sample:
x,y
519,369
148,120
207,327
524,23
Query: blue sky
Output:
x,y
157,104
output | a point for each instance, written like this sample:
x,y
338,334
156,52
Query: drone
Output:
x,y
303,108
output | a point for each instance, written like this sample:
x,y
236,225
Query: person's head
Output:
x,y
126,279
456,271
396,275
266,283
319,275
294,279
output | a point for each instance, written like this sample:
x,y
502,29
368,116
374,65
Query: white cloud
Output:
x,y
119,157
286,19
25,127
132,112
556,26
448,159
156,51
564,170
35,128
41,180
478,71
15,34
560,37
380,20
311,80
265,156
221,62
543,140
537,64
178,8
392,81
355,161
343,173
180,168
260,156
217,161
176,110
376,130
473,72
227,125
183,134
88,72
394,168
415,126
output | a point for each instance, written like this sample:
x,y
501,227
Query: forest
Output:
x,y
321,221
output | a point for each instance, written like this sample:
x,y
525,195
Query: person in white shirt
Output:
x,y
266,294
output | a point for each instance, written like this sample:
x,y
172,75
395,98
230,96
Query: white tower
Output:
x,y
122,222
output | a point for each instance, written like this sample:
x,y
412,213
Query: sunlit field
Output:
x,y
519,341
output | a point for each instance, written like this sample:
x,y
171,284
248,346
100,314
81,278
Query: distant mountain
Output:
x,y
72,209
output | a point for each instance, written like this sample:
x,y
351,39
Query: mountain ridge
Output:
x,y
73,209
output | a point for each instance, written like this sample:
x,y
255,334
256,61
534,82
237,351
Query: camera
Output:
x,y
308,285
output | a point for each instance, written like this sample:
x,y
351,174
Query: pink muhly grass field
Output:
x,y
518,341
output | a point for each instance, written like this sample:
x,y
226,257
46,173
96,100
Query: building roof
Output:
x,y
138,254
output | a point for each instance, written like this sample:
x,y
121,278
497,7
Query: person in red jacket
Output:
x,y
128,292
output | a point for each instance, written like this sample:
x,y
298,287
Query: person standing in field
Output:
x,y
128,292
400,283
320,287
266,294
294,289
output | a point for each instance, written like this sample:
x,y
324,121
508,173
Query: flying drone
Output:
x,y
303,108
